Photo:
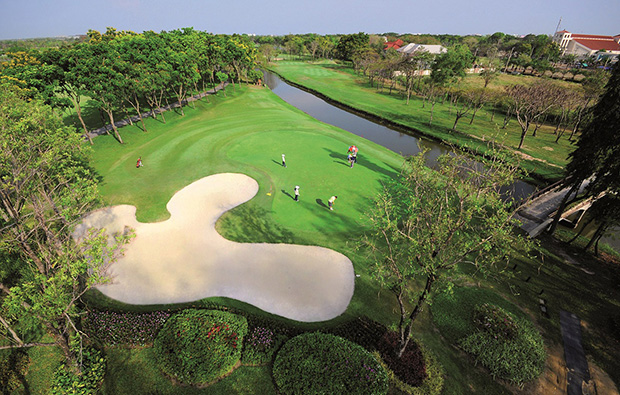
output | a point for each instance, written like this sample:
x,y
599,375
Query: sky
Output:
x,y
51,18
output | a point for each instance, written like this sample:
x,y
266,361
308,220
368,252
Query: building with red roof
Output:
x,y
584,45
394,44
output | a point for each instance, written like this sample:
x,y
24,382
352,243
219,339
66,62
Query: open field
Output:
x,y
246,132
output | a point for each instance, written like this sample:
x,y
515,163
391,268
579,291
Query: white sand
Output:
x,y
184,259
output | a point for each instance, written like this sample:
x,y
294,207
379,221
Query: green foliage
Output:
x,y
261,345
518,359
452,313
317,363
200,346
350,44
66,381
495,321
451,65
432,384
13,366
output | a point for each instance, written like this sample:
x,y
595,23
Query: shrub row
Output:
x,y
200,346
319,363
112,328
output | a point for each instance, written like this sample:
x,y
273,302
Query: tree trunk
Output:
x,y
78,110
581,230
560,211
597,235
116,133
406,332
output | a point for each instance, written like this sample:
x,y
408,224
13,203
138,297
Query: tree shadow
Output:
x,y
252,224
367,163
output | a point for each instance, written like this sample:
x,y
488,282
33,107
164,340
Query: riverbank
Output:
x,y
541,157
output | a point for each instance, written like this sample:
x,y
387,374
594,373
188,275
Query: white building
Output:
x,y
409,49
584,45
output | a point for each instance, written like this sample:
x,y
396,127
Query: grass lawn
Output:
x,y
247,131
541,156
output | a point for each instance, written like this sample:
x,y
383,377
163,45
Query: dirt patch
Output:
x,y
548,148
553,379
601,382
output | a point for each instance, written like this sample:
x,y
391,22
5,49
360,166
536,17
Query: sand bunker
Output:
x,y
184,259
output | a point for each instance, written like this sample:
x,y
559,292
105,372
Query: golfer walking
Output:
x,y
331,201
297,193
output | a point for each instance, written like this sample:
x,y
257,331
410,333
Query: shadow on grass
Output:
x,y
367,163
251,224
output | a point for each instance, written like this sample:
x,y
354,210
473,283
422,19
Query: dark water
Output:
x,y
402,143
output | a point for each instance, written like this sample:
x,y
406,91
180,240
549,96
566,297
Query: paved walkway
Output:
x,y
184,259
124,122
535,215
576,362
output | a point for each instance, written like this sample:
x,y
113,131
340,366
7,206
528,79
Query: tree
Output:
x,y
350,44
427,222
451,65
529,103
46,186
597,156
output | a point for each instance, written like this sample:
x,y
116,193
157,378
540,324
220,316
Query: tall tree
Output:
x,y
427,222
529,103
450,66
46,186
597,156
350,44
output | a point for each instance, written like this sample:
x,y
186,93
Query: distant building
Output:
x,y
585,45
394,44
410,49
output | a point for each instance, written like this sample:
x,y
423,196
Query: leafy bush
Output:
x,y
114,328
452,313
410,367
200,346
13,366
319,363
86,383
260,346
495,321
432,384
518,358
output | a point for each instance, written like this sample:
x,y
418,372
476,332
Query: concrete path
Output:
x,y
184,259
576,362
535,214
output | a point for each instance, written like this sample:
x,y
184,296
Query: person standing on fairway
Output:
x,y
283,161
297,193
331,201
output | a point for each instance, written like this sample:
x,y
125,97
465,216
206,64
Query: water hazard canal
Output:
x,y
403,143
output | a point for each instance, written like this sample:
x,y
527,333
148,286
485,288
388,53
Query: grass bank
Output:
x,y
541,156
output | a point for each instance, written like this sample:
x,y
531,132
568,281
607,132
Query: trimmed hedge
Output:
x,y
512,349
120,328
319,363
200,346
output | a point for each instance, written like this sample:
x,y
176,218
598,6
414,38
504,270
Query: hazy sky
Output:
x,y
48,18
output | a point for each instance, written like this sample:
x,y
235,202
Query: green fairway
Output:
x,y
247,132
540,155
